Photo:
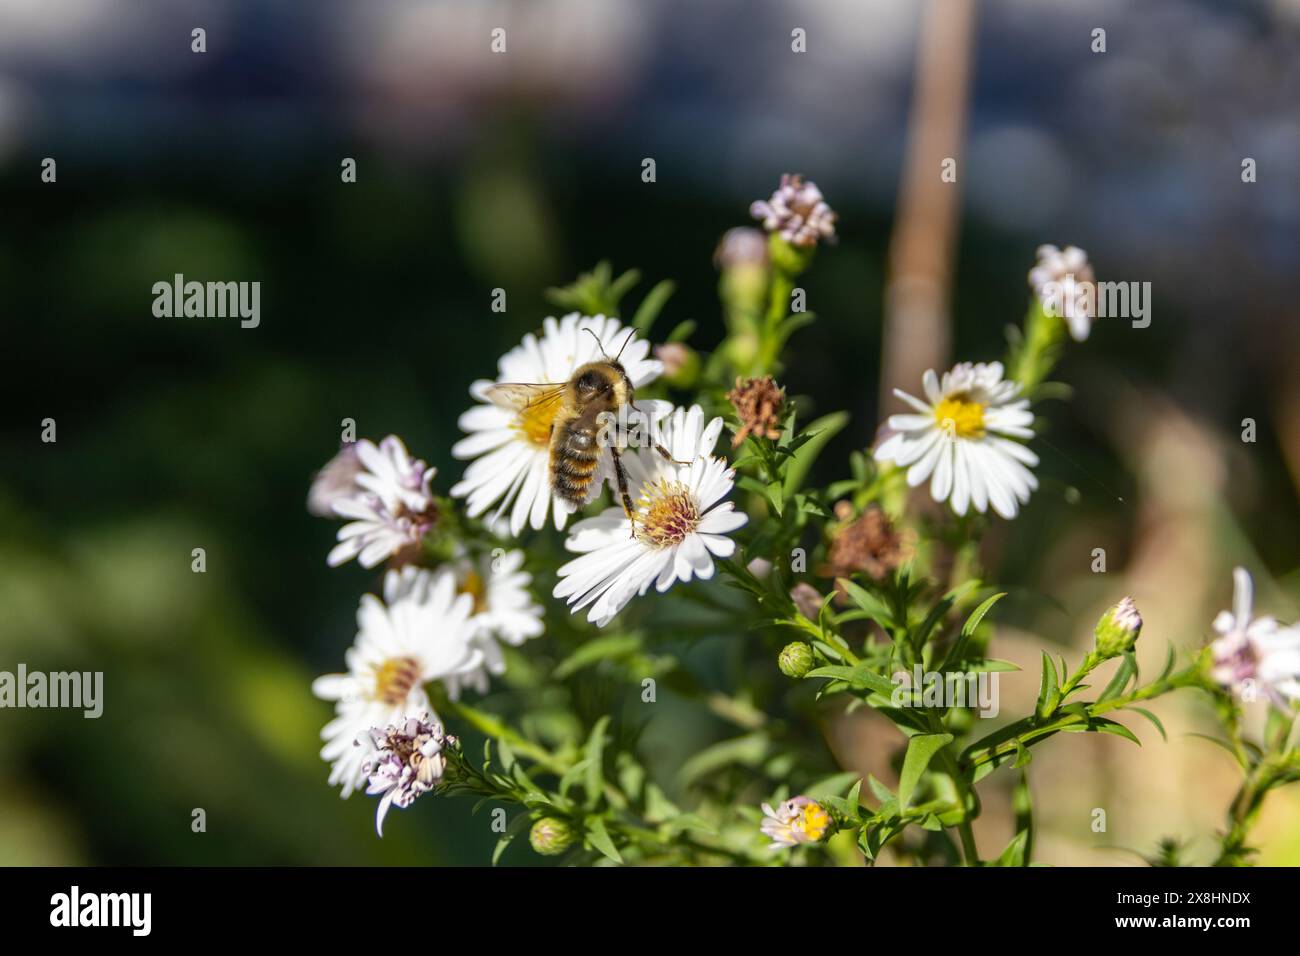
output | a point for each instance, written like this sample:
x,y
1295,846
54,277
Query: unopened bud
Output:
x,y
795,660
681,364
550,836
1118,629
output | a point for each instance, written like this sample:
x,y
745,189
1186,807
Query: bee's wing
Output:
x,y
519,396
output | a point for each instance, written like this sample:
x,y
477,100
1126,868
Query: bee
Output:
x,y
579,410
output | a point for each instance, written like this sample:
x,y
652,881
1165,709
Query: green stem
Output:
x,y
492,727
1191,677
1090,663
1241,817
777,309
1031,362
969,851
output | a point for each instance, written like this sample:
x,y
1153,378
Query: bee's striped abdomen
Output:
x,y
574,459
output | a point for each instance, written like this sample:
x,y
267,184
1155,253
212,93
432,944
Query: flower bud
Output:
x,y
550,836
1118,629
681,364
795,660
807,599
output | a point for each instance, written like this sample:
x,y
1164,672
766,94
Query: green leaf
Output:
x,y
833,785
519,823
1023,807
872,606
621,287
968,630
571,776
593,755
990,664
1154,719
681,331
611,647
883,793
1014,854
822,431
859,676
1225,745
748,750
1049,690
793,324
652,305
920,749
1127,669
1023,755
938,612
507,755
1107,726
598,837
689,821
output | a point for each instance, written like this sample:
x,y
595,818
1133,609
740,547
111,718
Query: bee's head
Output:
x,y
599,380
592,382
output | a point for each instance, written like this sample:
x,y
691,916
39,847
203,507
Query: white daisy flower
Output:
x,y
504,610
1064,282
794,821
959,436
681,523
406,762
511,449
1258,650
391,508
420,632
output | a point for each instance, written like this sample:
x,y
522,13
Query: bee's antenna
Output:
x,y
600,345
631,333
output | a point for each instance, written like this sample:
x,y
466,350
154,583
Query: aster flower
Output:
x,y
391,509
1064,283
797,212
511,449
337,480
503,611
681,523
795,821
407,762
1255,649
959,435
758,403
420,632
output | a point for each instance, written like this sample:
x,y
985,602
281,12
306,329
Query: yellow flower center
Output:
x,y
535,422
960,417
666,514
474,585
395,678
813,821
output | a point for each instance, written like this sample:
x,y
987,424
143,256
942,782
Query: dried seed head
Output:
x,y
871,544
758,404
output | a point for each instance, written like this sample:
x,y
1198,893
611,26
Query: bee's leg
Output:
x,y
667,454
620,478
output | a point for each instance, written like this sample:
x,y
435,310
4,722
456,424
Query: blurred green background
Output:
x,y
518,172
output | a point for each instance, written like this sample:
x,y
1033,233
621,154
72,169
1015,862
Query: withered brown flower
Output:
x,y
870,544
758,403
